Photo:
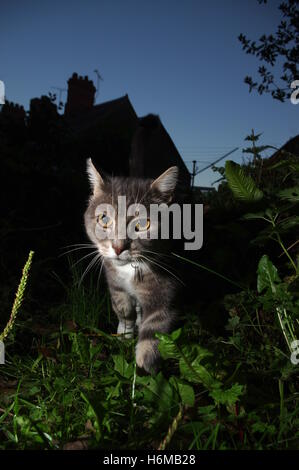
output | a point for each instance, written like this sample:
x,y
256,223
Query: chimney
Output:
x,y
80,95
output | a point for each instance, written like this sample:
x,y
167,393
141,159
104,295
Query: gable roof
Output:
x,y
118,109
291,146
154,146
156,150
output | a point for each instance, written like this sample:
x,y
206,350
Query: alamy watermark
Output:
x,y
295,95
2,92
295,352
161,221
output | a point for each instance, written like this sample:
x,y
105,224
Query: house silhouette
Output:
x,y
45,186
119,142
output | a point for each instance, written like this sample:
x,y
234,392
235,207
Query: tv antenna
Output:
x,y
61,90
99,77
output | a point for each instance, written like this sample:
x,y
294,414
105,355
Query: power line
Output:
x,y
196,171
197,161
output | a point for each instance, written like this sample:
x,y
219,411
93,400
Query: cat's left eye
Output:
x,y
142,225
104,220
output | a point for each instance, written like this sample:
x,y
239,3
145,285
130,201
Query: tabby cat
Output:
x,y
143,288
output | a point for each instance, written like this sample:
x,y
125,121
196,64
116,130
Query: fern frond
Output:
x,y
242,185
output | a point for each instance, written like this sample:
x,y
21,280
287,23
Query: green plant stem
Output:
x,y
172,429
280,242
286,333
286,252
282,408
18,298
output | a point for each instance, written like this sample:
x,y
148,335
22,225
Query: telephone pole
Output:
x,y
196,172
193,174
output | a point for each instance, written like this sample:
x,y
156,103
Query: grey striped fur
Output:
x,y
143,290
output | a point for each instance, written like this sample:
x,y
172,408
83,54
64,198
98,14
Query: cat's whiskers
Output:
x,y
161,255
151,271
158,254
99,275
77,244
90,265
77,249
162,267
84,257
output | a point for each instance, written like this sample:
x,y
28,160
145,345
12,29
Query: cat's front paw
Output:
x,y
147,355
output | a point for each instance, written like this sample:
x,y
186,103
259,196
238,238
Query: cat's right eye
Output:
x,y
142,225
104,220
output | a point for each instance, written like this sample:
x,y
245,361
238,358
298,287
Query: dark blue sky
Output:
x,y
178,59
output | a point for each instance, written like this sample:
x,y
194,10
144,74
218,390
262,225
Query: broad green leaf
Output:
x,y
167,346
291,194
255,215
120,365
185,390
227,397
242,185
263,427
161,392
187,394
176,334
195,350
197,373
233,322
267,275
288,223
207,413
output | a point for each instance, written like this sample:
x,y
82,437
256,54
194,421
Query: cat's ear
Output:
x,y
95,179
165,184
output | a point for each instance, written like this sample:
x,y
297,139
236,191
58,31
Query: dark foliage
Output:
x,y
281,49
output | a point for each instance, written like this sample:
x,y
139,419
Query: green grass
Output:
x,y
71,380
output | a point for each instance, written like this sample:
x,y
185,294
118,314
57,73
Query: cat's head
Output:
x,y
104,214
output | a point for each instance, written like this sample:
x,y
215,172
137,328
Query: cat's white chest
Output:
x,y
125,277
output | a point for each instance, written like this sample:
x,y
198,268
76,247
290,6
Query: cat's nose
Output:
x,y
117,248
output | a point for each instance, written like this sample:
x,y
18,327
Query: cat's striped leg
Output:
x,y
124,308
147,353
138,314
126,328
